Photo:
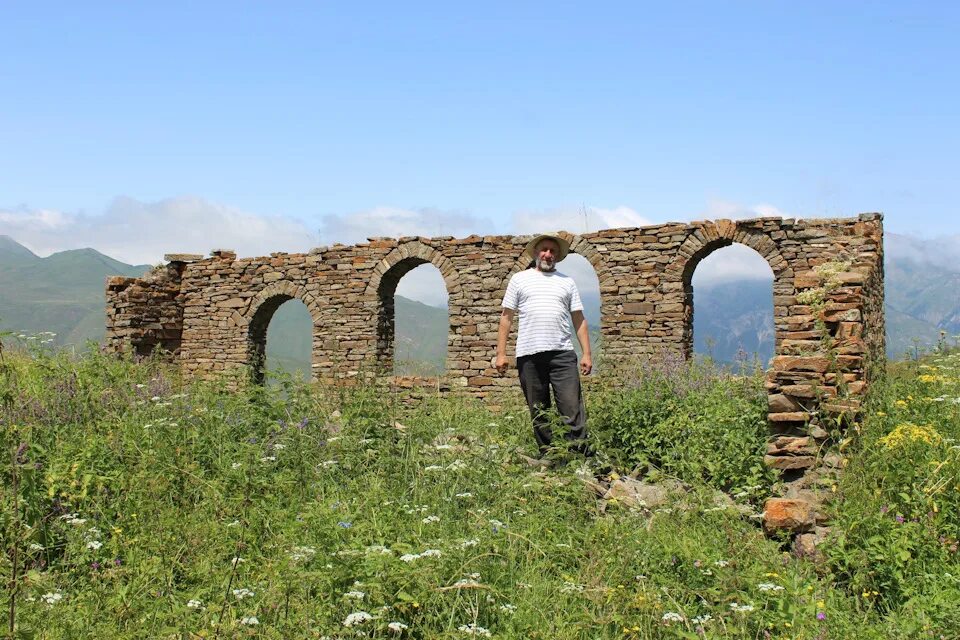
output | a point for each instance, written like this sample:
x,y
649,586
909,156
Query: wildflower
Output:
x,y
409,557
356,595
36,547
466,583
721,563
52,598
397,627
194,604
821,615
672,616
571,587
236,561
496,525
343,524
433,467
249,621
300,554
465,494
94,544
240,594
431,519
469,543
705,618
278,446
456,465
769,586
358,617
268,459
508,608
741,608
431,553
474,630
236,465
379,548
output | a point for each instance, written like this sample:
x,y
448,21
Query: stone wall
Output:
x,y
212,313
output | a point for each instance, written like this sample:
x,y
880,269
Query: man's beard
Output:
x,y
542,265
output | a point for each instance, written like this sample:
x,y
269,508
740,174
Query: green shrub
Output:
x,y
693,421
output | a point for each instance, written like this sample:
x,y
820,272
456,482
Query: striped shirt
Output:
x,y
543,302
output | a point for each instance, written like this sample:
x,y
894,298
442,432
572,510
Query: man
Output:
x,y
547,302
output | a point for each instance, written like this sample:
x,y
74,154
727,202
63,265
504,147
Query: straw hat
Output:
x,y
563,245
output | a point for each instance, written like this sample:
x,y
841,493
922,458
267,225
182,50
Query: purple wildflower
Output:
x,y
821,615
899,518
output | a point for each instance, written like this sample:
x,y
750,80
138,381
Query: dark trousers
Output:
x,y
557,369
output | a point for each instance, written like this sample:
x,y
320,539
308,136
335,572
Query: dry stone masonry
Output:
x,y
211,315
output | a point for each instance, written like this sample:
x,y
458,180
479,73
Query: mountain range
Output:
x,y
64,293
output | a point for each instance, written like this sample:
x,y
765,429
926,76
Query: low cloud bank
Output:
x,y
142,232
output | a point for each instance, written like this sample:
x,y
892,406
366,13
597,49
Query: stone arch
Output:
x,y
257,318
380,291
706,238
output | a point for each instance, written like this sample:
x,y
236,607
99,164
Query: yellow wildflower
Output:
x,y
906,433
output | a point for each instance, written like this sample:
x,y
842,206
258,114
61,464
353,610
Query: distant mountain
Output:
x,y
64,293
734,320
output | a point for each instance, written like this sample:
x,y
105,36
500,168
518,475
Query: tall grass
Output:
x,y
147,507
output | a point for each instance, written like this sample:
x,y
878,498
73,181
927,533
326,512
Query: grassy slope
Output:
x,y
332,513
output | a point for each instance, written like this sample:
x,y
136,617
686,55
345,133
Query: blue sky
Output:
x,y
148,129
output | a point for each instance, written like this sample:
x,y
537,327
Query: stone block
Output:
x,y
782,514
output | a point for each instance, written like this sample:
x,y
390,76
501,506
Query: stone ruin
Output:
x,y
210,316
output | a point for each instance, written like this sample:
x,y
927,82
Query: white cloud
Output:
x,y
393,222
718,209
575,220
139,232
736,262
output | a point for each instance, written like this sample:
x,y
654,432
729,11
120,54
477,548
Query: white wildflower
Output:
x,y
721,563
301,554
236,465
268,459
249,621
469,543
36,547
279,446
409,557
705,618
474,630
194,604
466,583
94,544
465,494
240,594
431,553
52,598
357,617
379,548
672,616
433,467
769,586
741,608
431,519
508,608
236,561
571,587
397,627
356,595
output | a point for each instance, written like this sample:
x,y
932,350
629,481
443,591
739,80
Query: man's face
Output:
x,y
546,255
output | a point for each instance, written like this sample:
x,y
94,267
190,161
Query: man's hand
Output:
x,y
586,365
502,364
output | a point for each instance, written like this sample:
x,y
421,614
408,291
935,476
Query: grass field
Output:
x,y
139,506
